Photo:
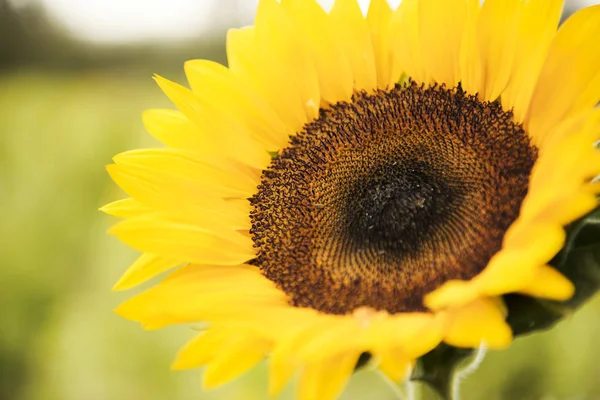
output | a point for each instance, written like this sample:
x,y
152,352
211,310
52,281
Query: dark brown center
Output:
x,y
381,200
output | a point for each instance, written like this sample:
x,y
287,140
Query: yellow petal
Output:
x,y
277,56
280,373
341,337
219,86
311,332
163,192
279,36
537,241
201,349
319,39
497,40
583,126
549,284
452,293
481,321
125,208
232,137
395,364
471,67
441,27
537,27
526,248
292,327
183,242
405,41
513,268
415,333
233,359
570,78
257,61
217,176
348,22
551,184
326,380
378,19
146,267
238,44
218,89
568,208
175,130
205,293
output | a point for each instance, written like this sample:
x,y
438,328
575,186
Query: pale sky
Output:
x,y
139,20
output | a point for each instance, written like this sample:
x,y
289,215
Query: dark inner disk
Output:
x,y
381,200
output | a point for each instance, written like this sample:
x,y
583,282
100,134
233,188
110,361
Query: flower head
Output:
x,y
355,184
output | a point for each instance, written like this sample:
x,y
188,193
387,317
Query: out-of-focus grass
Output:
x,y
59,338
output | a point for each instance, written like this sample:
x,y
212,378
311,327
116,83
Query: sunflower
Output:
x,y
356,184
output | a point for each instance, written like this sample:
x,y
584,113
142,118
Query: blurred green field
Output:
x,y
59,339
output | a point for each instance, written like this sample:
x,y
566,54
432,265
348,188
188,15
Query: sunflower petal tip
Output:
x,y
113,230
122,311
210,382
178,365
121,285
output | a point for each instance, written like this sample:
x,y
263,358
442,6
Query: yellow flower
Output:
x,y
356,184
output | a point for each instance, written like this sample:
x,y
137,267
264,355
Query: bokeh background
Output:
x,y
74,79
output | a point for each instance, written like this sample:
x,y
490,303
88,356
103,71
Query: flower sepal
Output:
x,y
437,368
